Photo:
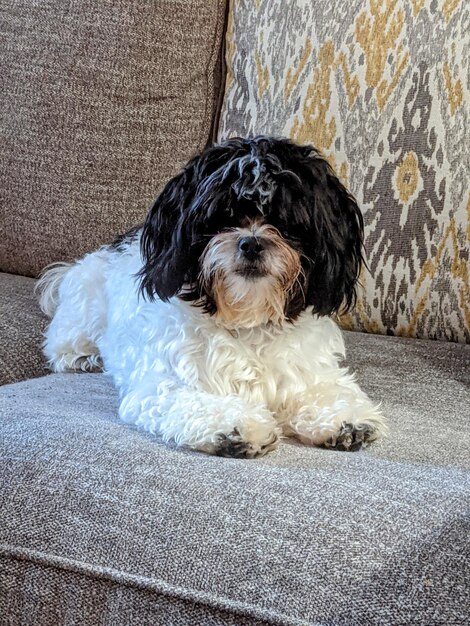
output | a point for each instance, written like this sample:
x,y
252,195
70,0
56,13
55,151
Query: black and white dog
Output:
x,y
213,319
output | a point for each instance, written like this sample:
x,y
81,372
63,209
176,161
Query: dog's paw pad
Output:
x,y
233,445
351,437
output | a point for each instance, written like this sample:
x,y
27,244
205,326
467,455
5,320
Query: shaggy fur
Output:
x,y
214,318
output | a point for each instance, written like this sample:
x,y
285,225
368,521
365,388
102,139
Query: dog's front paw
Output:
x,y
237,446
340,425
351,437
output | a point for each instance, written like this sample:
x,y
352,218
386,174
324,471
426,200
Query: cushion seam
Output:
x,y
206,124
138,581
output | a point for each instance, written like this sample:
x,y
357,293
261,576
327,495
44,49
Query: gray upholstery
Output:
x,y
21,328
101,104
103,524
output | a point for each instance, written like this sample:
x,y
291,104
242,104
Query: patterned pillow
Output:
x,y
378,86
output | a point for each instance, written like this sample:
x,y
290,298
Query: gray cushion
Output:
x,y
103,524
101,103
21,328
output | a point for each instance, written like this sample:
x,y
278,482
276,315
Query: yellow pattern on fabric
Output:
x,y
377,34
314,126
407,176
454,90
292,78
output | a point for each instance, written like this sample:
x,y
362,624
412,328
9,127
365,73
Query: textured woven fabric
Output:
x,y
102,598
381,88
21,328
103,524
101,103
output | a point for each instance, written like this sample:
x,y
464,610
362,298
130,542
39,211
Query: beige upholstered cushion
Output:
x,y
380,87
102,101
21,328
102,524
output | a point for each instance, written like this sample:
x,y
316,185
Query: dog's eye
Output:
x,y
287,234
293,239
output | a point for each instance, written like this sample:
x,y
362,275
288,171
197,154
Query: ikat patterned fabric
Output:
x,y
382,89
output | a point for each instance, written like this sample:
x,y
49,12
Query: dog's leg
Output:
x,y
336,415
222,425
73,295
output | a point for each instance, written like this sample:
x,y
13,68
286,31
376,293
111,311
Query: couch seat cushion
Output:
x,y
21,327
102,523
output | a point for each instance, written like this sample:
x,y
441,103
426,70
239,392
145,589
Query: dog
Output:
x,y
215,318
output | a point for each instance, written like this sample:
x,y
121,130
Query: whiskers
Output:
x,y
298,284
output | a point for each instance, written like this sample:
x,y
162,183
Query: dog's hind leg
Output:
x,y
73,295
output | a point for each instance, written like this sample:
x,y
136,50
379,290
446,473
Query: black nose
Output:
x,y
250,247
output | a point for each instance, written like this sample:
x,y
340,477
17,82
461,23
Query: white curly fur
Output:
x,y
184,376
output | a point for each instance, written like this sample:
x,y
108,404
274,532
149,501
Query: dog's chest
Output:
x,y
259,365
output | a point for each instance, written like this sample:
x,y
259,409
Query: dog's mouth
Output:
x,y
251,269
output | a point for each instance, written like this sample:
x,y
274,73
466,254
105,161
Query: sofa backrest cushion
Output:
x,y
102,102
380,87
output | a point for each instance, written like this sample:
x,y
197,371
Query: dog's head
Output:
x,y
255,231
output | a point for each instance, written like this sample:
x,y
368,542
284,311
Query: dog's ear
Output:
x,y
175,230
165,248
335,250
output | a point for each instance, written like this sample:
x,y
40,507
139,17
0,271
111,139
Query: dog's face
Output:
x,y
255,231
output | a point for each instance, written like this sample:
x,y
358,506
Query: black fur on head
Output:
x,y
281,184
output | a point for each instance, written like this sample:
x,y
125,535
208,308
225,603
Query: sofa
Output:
x,y
101,523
